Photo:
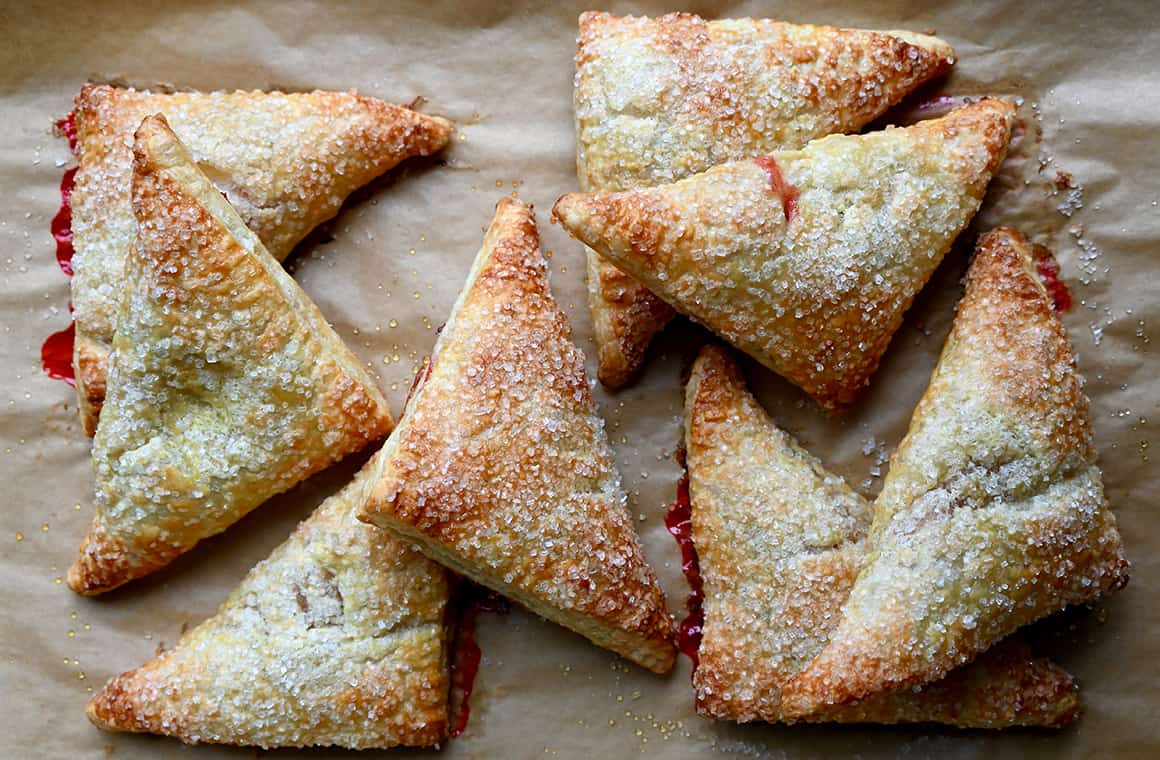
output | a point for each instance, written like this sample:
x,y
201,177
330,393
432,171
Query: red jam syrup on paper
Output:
x,y
777,183
465,662
1048,269
56,353
679,521
67,127
62,223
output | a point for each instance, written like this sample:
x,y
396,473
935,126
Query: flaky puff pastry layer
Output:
x,y
657,100
338,638
780,541
993,513
286,161
501,469
226,384
806,260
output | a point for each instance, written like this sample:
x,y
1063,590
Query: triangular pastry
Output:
x,y
500,467
338,638
226,384
993,513
286,161
780,541
660,99
806,260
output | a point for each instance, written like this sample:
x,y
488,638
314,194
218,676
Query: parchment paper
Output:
x,y
399,254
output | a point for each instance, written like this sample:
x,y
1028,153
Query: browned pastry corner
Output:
x,y
338,638
625,317
286,161
501,470
780,541
807,259
226,385
657,100
993,514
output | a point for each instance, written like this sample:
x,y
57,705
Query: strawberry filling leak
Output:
x,y
57,351
62,223
56,355
67,128
778,184
465,662
679,521
1048,269
934,107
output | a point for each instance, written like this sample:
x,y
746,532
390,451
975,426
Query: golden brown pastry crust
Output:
x,y
285,161
780,542
226,384
91,374
807,260
625,317
501,470
993,514
338,638
660,99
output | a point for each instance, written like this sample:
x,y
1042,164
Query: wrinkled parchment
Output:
x,y
398,257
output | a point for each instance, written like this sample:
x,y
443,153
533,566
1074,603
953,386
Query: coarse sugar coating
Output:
x,y
807,260
338,638
226,384
501,469
993,513
780,541
657,100
285,161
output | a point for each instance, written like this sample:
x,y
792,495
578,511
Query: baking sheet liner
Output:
x,y
1083,180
